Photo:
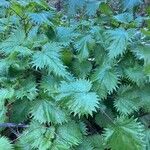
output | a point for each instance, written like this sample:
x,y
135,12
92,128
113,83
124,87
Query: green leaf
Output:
x,y
37,137
136,74
83,47
105,8
79,98
127,100
124,18
100,89
130,4
85,145
65,34
5,144
147,70
47,112
50,84
27,89
6,93
37,3
15,39
49,58
107,76
147,132
74,5
21,109
41,18
68,68
68,135
125,134
96,141
144,96
22,51
142,52
4,3
92,142
102,119
92,7
82,69
3,116
117,41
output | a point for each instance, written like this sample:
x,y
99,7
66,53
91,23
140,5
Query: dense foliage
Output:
x,y
76,77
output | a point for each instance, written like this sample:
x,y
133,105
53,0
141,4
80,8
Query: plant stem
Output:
x,y
13,125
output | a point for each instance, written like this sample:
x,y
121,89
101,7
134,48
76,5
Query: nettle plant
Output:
x,y
77,79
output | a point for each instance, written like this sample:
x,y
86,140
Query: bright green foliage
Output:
x,y
5,144
125,134
4,3
94,142
40,18
124,18
117,40
78,97
67,135
15,39
83,46
74,77
49,58
4,94
90,6
63,136
48,112
130,4
27,90
37,136
136,74
107,76
127,100
147,132
142,52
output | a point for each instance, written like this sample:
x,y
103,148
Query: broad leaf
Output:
x,y
37,136
125,134
67,135
40,18
117,41
127,100
5,144
46,112
49,58
130,4
83,47
16,39
79,98
107,76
